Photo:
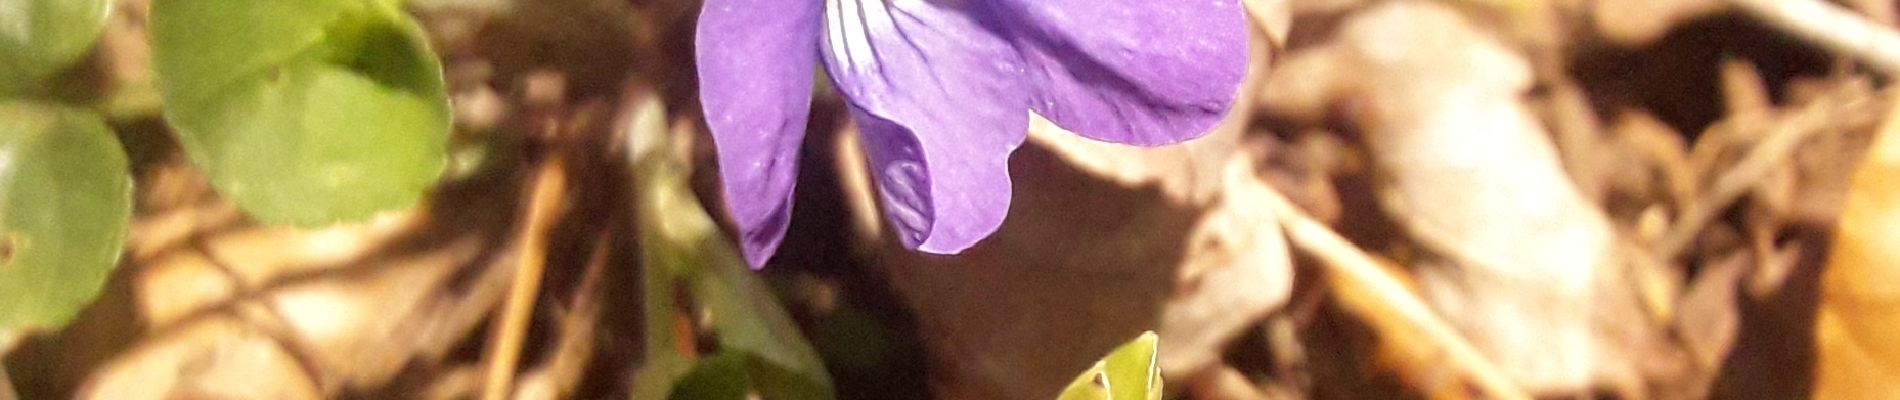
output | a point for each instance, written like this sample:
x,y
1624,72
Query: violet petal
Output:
x,y
755,60
1142,72
940,103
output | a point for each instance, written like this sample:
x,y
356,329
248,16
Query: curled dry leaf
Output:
x,y
1516,258
1237,270
1102,241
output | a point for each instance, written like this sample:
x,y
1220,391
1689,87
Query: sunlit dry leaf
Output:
x,y
354,303
1856,356
1709,318
218,358
1237,270
1517,259
1272,17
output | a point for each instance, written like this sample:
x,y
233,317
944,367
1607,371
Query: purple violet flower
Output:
x,y
941,89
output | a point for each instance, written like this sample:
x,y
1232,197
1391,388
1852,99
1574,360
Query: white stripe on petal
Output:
x,y
848,33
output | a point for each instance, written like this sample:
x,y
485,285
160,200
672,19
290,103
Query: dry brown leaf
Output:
x,y
1235,272
1709,319
219,358
1859,311
1523,264
350,305
1272,17
1665,175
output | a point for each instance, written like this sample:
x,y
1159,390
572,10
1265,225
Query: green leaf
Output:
x,y
64,199
721,377
1128,373
749,319
663,365
41,37
682,242
303,112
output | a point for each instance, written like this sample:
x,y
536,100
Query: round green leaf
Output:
x,y
39,37
64,200
303,112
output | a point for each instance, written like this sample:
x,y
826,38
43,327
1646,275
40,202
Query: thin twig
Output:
x,y
1356,274
512,328
557,377
1831,26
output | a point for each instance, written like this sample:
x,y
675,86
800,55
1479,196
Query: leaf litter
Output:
x,y
1444,199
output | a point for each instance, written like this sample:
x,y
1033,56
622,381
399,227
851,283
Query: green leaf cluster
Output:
x,y
304,112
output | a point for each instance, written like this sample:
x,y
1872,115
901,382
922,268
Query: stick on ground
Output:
x,y
1833,27
504,350
1387,301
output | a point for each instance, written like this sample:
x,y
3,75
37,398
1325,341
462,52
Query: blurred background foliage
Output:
x,y
298,199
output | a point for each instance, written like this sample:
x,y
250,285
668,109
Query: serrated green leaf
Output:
x,y
64,199
40,37
681,241
1127,373
303,112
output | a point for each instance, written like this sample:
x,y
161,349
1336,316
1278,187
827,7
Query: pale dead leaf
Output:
x,y
1525,266
1273,17
356,302
1709,319
1236,271
216,358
